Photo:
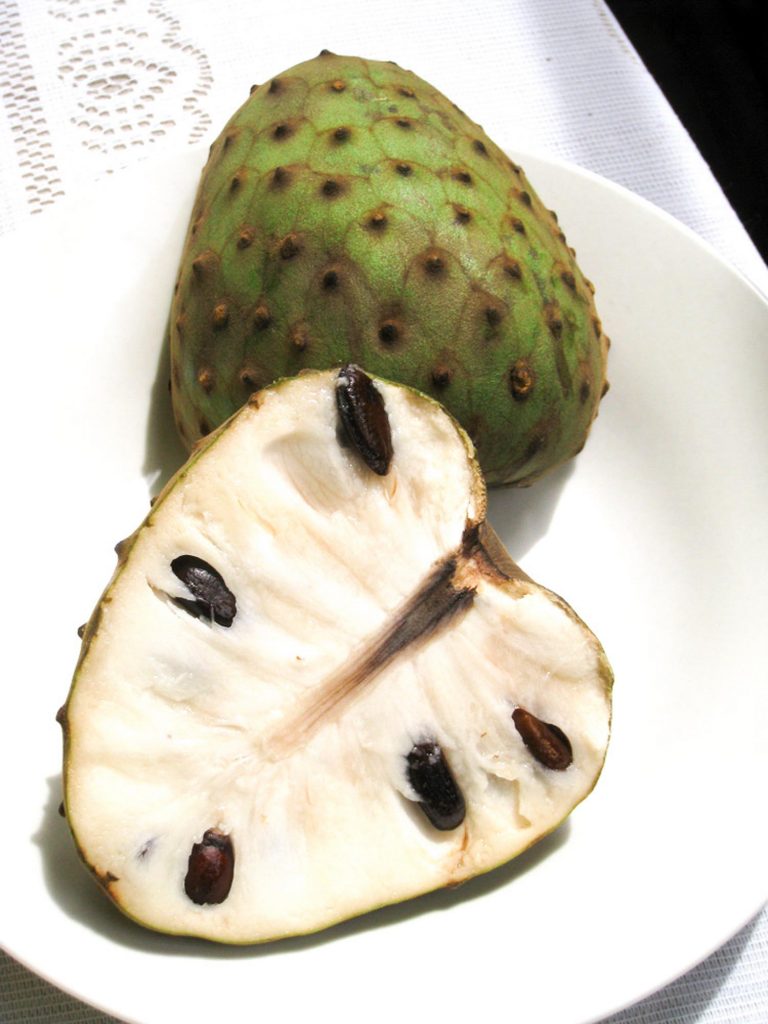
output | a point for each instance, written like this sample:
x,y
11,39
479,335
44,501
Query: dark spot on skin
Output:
x,y
203,264
280,178
289,247
597,327
205,380
605,389
220,316
561,236
252,90
555,324
553,215
462,214
262,318
326,53
403,122
535,445
463,176
250,379
404,90
377,221
568,279
441,376
245,238
512,269
62,812
521,380
330,280
275,86
525,198
479,147
282,131
237,180
338,85
341,135
434,264
493,316
81,630
61,714
389,332
203,426
229,138
404,169
584,391
331,188
517,225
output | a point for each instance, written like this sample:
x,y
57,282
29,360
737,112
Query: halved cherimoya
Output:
x,y
316,683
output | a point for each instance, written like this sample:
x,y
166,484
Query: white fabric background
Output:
x,y
92,86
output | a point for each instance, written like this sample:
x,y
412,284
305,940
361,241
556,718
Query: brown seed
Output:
x,y
364,417
521,380
210,869
548,743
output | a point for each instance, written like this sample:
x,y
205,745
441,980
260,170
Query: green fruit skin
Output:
x,y
350,212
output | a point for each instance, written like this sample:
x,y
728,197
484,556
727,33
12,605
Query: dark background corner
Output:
x,y
710,58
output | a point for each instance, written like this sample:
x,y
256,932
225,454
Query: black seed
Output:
x,y
210,869
548,743
330,280
404,169
439,795
213,599
364,417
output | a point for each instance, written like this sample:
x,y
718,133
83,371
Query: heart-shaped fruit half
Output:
x,y
316,683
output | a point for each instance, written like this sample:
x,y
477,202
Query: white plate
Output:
x,y
656,534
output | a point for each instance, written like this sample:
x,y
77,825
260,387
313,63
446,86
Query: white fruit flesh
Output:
x,y
280,731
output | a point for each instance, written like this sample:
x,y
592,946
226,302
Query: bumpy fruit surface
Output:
x,y
316,683
350,212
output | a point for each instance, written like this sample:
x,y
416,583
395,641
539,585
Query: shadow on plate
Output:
x,y
78,895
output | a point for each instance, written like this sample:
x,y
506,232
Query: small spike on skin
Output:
x,y
389,332
479,147
434,264
377,221
521,380
220,316
81,630
342,135
245,238
338,85
289,247
404,170
262,318
441,376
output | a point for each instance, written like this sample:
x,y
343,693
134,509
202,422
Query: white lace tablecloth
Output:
x,y
90,87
